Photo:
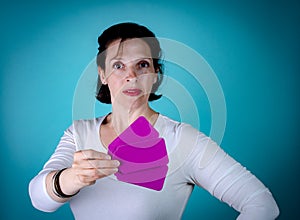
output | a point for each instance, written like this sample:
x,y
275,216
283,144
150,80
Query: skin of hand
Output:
x,y
87,167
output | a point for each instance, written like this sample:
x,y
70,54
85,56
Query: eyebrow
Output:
x,y
120,59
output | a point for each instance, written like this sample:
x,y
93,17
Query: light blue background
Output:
x,y
253,47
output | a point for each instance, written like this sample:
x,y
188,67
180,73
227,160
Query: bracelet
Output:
x,y
56,186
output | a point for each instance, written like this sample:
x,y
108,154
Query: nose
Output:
x,y
131,74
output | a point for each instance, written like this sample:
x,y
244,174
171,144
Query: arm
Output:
x,y
211,168
62,157
83,169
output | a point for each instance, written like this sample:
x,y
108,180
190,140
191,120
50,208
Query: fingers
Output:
x,y
96,163
98,172
90,155
90,165
93,159
89,176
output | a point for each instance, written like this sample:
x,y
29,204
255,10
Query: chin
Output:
x,y
132,101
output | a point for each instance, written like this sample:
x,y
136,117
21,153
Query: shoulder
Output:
x,y
86,133
171,127
83,124
182,140
179,134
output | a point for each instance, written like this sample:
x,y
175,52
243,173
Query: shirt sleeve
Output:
x,y
61,158
208,166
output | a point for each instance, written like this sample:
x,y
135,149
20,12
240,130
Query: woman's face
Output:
x,y
129,71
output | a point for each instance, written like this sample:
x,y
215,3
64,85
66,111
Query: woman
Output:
x,y
82,172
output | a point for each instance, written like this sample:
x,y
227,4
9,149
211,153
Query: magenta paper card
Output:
x,y
142,154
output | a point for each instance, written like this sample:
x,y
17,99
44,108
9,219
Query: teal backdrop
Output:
x,y
252,46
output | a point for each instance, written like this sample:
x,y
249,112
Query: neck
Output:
x,y
122,117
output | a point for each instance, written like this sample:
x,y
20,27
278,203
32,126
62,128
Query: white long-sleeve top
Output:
x,y
194,159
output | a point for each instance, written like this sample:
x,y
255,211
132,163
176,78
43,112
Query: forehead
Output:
x,y
129,49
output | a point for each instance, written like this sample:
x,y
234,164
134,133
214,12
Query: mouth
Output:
x,y
132,92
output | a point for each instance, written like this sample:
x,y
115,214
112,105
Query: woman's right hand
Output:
x,y
87,167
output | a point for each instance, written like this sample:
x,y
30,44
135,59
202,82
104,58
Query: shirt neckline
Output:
x,y
157,125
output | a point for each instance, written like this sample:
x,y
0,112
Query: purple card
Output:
x,y
142,154
151,178
135,158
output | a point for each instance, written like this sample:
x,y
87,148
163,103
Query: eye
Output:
x,y
118,65
143,64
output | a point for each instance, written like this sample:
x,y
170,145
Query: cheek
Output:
x,y
114,85
147,79
147,82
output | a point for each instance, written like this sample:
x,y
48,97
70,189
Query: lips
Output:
x,y
132,92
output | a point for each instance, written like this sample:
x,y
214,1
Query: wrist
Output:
x,y
59,188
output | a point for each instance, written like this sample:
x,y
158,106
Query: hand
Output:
x,y
87,167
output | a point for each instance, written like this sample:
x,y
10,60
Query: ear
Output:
x,y
102,75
